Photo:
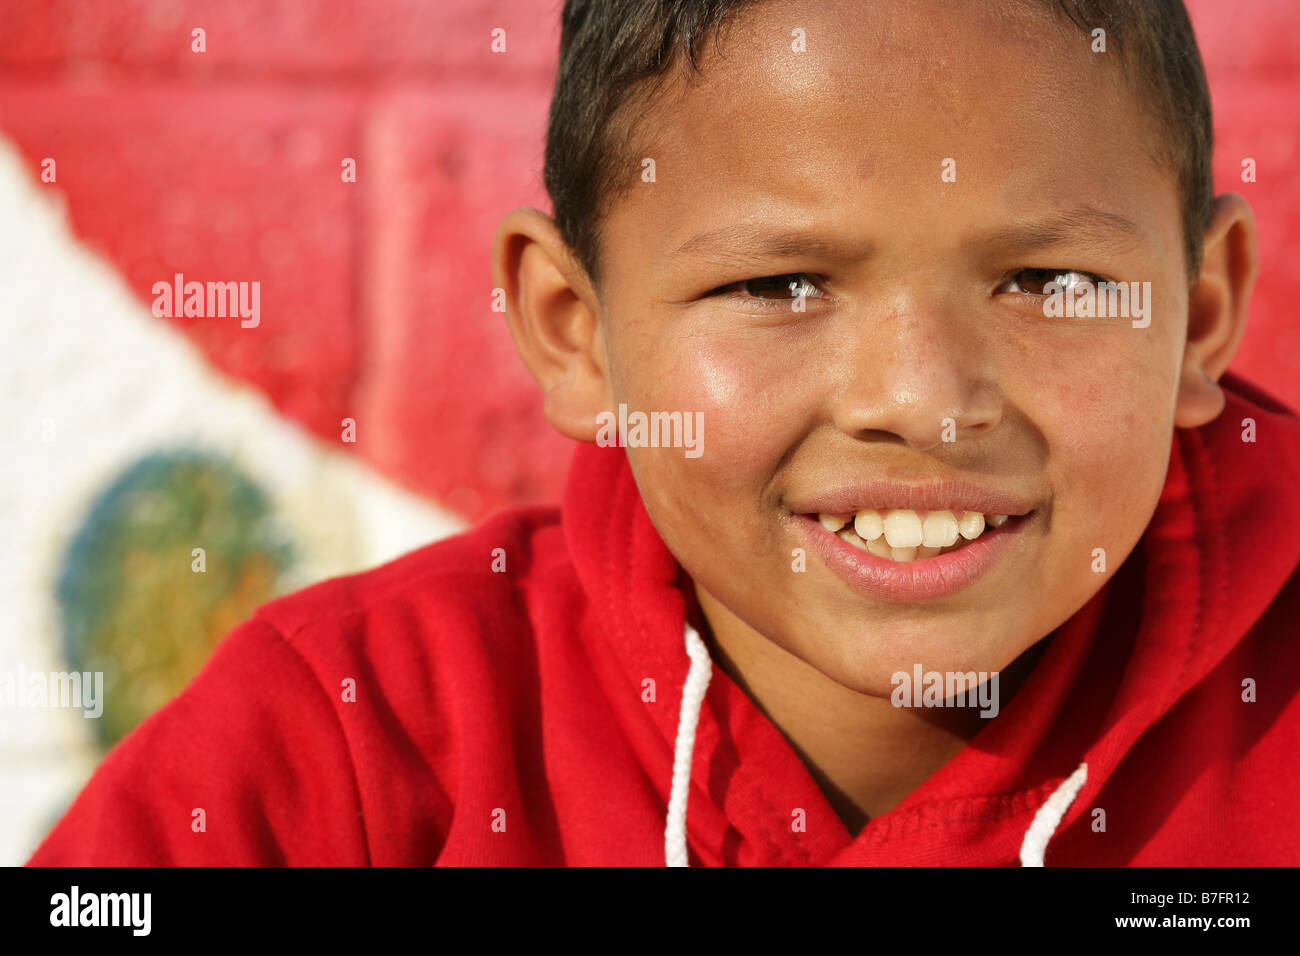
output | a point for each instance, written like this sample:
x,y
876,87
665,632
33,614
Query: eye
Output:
x,y
773,291
1032,281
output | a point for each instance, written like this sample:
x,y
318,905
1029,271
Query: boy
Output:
x,y
975,554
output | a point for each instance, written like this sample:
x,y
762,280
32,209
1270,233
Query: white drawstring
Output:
x,y
693,691
1048,818
1040,831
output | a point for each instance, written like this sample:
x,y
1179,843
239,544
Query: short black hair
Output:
x,y
615,53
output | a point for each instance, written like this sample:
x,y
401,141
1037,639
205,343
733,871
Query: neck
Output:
x,y
865,754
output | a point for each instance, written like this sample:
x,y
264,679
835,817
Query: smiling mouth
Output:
x,y
904,535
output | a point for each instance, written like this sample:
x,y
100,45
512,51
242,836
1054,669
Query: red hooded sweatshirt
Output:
x,y
435,711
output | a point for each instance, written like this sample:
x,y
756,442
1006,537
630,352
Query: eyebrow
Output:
x,y
1086,224
1083,224
743,242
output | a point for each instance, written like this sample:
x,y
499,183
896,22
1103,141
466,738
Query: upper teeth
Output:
x,y
905,529
869,525
972,523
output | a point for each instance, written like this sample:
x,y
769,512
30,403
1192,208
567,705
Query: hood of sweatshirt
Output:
x,y
1189,593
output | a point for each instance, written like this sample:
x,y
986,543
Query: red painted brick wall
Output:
x,y
225,165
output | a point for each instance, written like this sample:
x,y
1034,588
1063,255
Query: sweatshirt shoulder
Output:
x,y
1248,403
509,559
345,709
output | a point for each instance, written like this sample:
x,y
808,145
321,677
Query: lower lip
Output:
x,y
924,579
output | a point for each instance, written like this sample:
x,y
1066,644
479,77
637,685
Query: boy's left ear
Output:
x,y
1216,310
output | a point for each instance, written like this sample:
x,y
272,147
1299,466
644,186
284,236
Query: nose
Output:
x,y
915,374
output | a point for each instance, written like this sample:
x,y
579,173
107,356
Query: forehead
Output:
x,y
858,126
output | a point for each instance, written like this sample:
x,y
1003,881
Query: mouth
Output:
x,y
910,555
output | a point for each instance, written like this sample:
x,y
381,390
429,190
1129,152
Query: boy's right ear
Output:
x,y
554,318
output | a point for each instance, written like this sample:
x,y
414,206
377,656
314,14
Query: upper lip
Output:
x,y
884,494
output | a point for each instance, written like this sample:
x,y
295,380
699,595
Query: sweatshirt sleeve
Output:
x,y
254,743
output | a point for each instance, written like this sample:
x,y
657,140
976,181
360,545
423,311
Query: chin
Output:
x,y
873,669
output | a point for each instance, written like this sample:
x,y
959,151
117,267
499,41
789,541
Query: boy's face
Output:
x,y
830,163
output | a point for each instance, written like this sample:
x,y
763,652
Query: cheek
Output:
x,y
747,401
1105,417
750,419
